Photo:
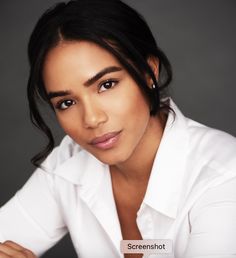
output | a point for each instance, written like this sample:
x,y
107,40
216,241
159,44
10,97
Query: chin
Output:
x,y
112,158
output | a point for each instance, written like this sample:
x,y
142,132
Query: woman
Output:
x,y
132,166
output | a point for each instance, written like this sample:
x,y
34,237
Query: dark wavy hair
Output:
x,y
111,24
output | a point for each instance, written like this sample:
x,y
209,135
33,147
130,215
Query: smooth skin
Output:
x,y
93,95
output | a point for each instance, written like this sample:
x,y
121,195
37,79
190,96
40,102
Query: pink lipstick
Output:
x,y
106,141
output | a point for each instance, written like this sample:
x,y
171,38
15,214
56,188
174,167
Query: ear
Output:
x,y
154,64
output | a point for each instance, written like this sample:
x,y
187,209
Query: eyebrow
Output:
x,y
54,94
100,74
110,69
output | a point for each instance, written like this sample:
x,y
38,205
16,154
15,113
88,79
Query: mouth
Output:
x,y
106,141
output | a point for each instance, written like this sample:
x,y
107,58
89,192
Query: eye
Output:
x,y
65,104
107,85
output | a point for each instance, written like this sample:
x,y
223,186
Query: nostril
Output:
x,y
93,118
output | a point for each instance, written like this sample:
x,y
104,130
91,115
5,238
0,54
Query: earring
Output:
x,y
153,86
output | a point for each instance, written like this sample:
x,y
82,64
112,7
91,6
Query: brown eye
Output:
x,y
107,85
65,104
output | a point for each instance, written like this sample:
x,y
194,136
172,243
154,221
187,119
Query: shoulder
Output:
x,y
211,146
213,176
209,177
210,164
204,145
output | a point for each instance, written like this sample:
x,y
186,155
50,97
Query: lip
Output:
x,y
106,141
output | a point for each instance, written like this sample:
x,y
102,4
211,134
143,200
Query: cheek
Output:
x,y
71,124
131,107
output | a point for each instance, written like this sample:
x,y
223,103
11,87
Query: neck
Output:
x,y
137,169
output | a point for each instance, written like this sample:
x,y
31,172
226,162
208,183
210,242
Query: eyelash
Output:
x,y
61,102
114,82
72,102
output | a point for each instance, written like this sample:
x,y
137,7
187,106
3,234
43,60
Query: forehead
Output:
x,y
71,60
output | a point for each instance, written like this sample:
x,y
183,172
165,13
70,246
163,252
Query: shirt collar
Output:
x,y
167,175
82,169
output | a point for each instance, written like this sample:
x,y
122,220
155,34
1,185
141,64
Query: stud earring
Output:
x,y
153,86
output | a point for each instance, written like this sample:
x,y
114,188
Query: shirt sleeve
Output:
x,y
213,223
32,218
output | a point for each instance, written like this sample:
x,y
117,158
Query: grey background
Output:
x,y
198,37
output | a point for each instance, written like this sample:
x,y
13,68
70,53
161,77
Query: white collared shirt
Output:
x,y
190,198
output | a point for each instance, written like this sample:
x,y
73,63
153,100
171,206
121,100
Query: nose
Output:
x,y
93,115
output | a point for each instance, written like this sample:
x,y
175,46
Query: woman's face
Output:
x,y
96,101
